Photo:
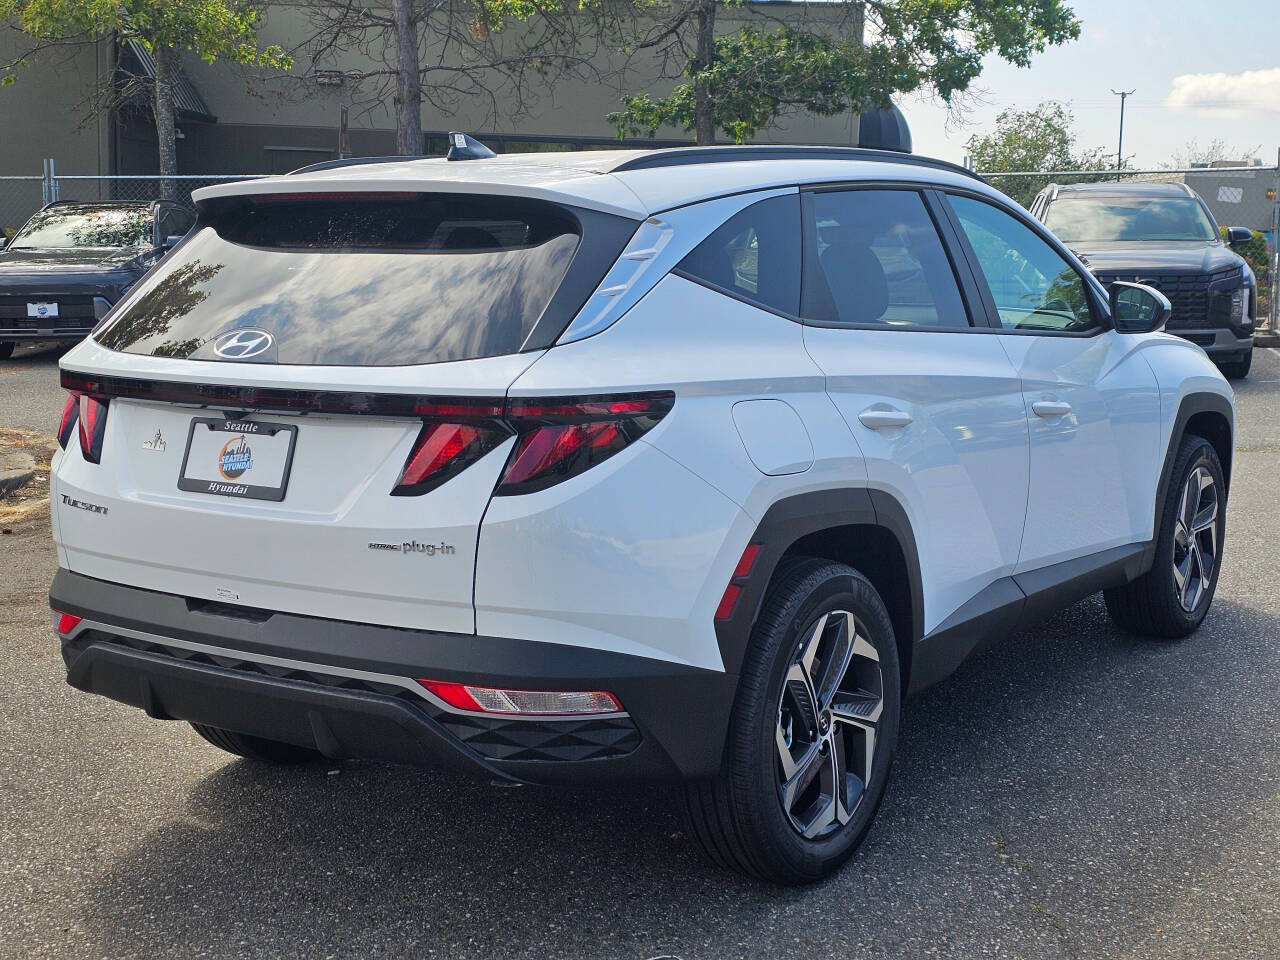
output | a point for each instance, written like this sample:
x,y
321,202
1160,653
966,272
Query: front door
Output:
x,y
932,400
1092,402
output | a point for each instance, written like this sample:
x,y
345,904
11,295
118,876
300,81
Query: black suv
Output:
x,y
1162,234
68,264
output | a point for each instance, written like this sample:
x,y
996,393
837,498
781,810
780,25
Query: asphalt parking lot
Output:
x,y
1075,793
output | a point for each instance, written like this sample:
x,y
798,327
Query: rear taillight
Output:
x,y
529,703
556,438
70,414
560,438
93,425
444,449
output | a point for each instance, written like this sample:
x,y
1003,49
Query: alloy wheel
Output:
x,y
828,712
1195,539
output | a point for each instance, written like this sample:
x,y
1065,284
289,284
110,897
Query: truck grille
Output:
x,y
75,312
1194,302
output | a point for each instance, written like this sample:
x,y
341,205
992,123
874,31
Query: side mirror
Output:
x,y
1237,235
1138,308
4,241
172,241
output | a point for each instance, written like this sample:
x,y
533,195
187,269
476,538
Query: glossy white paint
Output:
x,y
309,554
959,467
1095,467
774,435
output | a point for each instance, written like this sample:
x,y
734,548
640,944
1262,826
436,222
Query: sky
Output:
x,y
1201,70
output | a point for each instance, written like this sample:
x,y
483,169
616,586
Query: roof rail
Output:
x,y
350,162
684,156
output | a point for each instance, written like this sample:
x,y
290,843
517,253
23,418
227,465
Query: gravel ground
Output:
x,y
1075,793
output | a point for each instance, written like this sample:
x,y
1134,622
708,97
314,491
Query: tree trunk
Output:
x,y
166,61
704,117
408,79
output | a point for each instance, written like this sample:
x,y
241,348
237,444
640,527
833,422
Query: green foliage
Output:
x,y
211,29
1039,139
755,77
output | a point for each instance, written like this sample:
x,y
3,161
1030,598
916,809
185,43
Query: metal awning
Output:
x,y
189,104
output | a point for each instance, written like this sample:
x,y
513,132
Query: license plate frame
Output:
x,y
34,312
231,485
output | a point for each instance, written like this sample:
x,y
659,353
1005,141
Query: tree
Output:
x,y
211,29
446,53
820,58
1215,151
1043,138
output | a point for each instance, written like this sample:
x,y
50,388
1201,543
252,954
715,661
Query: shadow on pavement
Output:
x,y
1042,799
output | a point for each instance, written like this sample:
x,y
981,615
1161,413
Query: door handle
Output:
x,y
1051,408
884,418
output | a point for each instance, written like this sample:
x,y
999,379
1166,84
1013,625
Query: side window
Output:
x,y
755,254
1034,288
874,257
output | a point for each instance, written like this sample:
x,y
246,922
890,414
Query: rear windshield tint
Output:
x,y
351,280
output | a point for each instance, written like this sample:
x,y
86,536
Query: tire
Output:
x,y
1156,604
741,818
256,748
1237,369
6,349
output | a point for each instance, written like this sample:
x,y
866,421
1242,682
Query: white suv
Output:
x,y
687,465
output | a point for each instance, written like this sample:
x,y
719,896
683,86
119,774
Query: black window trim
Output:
x,y
979,321
1098,311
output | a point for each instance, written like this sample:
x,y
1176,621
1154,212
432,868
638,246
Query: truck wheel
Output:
x,y
1237,369
6,349
812,734
255,748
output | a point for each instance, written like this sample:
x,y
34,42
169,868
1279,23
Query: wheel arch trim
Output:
x,y
790,520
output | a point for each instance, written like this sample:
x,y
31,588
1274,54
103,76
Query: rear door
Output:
x,y
930,396
1092,403
301,410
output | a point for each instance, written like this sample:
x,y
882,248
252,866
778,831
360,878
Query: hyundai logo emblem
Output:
x,y
242,344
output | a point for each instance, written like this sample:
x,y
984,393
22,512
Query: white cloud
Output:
x,y
1251,91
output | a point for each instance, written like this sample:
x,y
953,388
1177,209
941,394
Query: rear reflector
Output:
x,y
93,426
536,703
70,414
65,623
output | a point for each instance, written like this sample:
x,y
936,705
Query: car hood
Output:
x,y
80,260
1183,256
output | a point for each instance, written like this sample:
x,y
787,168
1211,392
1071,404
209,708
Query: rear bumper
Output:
x,y
348,689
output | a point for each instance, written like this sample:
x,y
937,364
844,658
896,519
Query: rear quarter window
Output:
x,y
754,255
357,280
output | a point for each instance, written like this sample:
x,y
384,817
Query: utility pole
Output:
x,y
1123,95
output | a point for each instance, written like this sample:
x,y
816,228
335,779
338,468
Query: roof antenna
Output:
x,y
463,147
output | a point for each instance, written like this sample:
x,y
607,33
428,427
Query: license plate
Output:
x,y
238,458
42,310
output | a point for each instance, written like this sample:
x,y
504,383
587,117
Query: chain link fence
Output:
x,y
23,195
1237,196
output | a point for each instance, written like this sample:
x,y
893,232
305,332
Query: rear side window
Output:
x,y
357,280
755,255
874,258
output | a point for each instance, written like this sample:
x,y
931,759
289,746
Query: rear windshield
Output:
x,y
355,280
68,227
1082,219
